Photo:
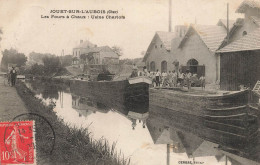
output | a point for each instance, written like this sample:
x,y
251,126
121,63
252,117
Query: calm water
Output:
x,y
142,135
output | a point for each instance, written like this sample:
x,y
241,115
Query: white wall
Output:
x,y
195,48
158,55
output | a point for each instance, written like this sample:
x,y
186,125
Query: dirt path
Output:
x,y
11,104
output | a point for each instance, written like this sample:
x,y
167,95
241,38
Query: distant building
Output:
x,y
239,54
89,53
158,54
78,50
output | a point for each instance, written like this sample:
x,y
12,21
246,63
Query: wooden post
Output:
x,y
226,160
168,154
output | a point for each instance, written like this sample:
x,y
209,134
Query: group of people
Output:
x,y
177,79
172,78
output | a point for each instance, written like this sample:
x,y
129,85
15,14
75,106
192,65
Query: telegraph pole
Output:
x,y
170,15
227,22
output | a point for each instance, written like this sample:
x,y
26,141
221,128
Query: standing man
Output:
x,y
202,82
13,74
188,79
164,76
157,78
181,78
134,71
174,78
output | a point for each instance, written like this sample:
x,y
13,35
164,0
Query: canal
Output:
x,y
147,135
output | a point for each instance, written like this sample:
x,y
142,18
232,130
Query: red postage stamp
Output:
x,y
17,143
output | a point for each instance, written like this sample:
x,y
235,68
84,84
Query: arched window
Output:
x,y
192,65
152,66
164,66
244,33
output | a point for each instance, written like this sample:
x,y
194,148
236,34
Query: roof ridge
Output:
x,y
211,39
251,41
249,3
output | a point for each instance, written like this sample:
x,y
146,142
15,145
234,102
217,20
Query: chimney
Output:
x,y
228,22
81,41
170,15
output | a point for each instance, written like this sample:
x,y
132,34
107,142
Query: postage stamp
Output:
x,y
17,142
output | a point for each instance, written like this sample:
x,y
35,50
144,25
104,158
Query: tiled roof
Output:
x,y
109,54
166,38
85,44
248,3
224,22
99,49
251,41
105,50
175,42
256,20
211,35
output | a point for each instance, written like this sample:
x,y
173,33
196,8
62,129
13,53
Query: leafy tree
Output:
x,y
51,64
128,61
83,57
66,60
12,57
35,57
117,50
37,69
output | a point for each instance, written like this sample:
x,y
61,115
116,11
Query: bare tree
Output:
x,y
117,50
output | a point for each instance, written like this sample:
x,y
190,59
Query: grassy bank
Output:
x,y
72,146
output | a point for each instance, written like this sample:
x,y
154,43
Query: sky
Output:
x,y
25,30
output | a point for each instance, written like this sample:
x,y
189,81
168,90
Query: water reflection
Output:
x,y
149,135
189,134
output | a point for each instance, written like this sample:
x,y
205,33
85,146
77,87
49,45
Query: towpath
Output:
x,y
11,104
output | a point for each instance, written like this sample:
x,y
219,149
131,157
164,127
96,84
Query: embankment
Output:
x,y
71,145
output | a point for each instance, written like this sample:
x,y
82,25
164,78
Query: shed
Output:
x,y
240,62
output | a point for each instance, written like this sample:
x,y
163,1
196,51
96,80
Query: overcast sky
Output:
x,y
25,30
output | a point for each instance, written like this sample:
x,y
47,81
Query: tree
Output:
x,y
35,57
12,56
37,69
117,50
83,57
51,64
66,60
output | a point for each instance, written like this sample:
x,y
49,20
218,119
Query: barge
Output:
x,y
231,115
122,91
206,104
129,95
